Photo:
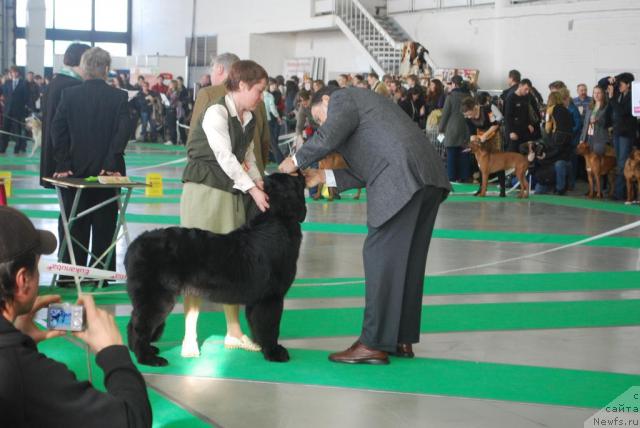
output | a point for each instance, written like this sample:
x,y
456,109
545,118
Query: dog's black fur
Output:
x,y
253,265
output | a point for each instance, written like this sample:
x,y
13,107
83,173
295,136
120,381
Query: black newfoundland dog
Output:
x,y
254,265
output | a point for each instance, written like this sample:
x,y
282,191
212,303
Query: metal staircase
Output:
x,y
378,37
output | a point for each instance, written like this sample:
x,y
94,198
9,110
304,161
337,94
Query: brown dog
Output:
x,y
597,166
489,163
631,173
334,161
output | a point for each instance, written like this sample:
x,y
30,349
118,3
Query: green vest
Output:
x,y
202,165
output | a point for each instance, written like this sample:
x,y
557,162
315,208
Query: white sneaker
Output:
x,y
244,342
168,143
190,349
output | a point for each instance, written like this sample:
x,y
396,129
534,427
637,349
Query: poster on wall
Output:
x,y
304,67
471,75
635,99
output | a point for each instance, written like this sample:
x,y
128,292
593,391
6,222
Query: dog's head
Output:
x,y
635,155
475,146
583,148
32,122
286,195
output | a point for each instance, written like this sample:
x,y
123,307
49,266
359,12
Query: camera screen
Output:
x,y
59,318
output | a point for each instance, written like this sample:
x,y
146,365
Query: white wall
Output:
x,y
537,39
570,41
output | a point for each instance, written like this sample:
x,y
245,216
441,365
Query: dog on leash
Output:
x,y
490,162
253,265
597,166
631,174
34,124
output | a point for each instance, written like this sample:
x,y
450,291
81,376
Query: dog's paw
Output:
x,y
153,360
279,354
190,349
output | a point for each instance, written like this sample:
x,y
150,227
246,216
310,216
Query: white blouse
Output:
x,y
216,127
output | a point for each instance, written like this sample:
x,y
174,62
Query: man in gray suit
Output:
x,y
406,182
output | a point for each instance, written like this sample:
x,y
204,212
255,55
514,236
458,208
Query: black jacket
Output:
x,y
49,104
36,391
91,129
16,100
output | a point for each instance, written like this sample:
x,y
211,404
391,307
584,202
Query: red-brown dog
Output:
x,y
597,166
631,174
490,162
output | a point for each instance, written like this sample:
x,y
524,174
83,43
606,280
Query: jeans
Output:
x,y
457,164
145,118
562,168
622,145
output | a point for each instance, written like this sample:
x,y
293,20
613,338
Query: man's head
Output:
x,y
145,86
29,76
73,54
95,63
457,81
582,90
343,80
305,98
469,108
624,82
556,85
387,79
14,72
524,87
320,104
20,248
317,85
372,78
220,67
513,78
160,79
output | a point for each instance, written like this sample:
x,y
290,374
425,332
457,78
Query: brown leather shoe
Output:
x,y
404,350
359,353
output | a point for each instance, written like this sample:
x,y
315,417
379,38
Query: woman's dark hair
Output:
x,y
333,83
247,71
303,94
483,98
8,271
434,96
468,104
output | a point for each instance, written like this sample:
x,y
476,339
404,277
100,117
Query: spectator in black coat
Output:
x,y
67,77
90,132
16,99
37,391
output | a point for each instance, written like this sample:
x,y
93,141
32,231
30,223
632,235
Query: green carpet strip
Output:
x,y
165,412
469,379
332,288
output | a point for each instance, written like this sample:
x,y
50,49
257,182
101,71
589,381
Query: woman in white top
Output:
x,y
221,171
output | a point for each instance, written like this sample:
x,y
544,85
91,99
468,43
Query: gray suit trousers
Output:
x,y
395,257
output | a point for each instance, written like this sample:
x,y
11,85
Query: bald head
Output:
x,y
220,66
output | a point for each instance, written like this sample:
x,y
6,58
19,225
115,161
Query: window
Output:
x,y
72,14
114,49
104,23
111,15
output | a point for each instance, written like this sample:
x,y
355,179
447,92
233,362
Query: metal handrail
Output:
x,y
354,9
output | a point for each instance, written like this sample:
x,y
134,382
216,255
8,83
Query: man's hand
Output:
x,y
288,166
101,330
110,173
513,136
260,198
62,174
531,129
25,323
314,177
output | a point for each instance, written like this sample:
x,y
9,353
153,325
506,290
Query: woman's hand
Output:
x,y
260,198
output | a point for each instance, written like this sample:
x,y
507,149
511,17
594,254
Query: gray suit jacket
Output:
x,y
453,123
600,136
386,152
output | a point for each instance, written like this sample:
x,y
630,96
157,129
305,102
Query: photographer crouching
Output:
x,y
36,391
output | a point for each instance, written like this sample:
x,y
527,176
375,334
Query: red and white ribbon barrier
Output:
x,y
81,271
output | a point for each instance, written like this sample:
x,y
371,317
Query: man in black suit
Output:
x,y
90,132
406,182
16,98
67,77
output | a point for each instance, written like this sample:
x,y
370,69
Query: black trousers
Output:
x,y
99,226
13,127
395,257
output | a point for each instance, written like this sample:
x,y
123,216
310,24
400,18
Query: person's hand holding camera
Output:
x,y
101,330
513,136
25,323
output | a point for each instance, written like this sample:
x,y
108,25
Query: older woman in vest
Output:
x,y
221,169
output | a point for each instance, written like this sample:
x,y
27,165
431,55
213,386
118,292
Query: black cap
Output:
x,y
456,80
18,236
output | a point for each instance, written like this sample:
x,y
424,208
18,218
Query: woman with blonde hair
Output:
x,y
559,127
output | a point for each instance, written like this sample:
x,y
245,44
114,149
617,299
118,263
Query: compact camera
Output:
x,y
66,317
